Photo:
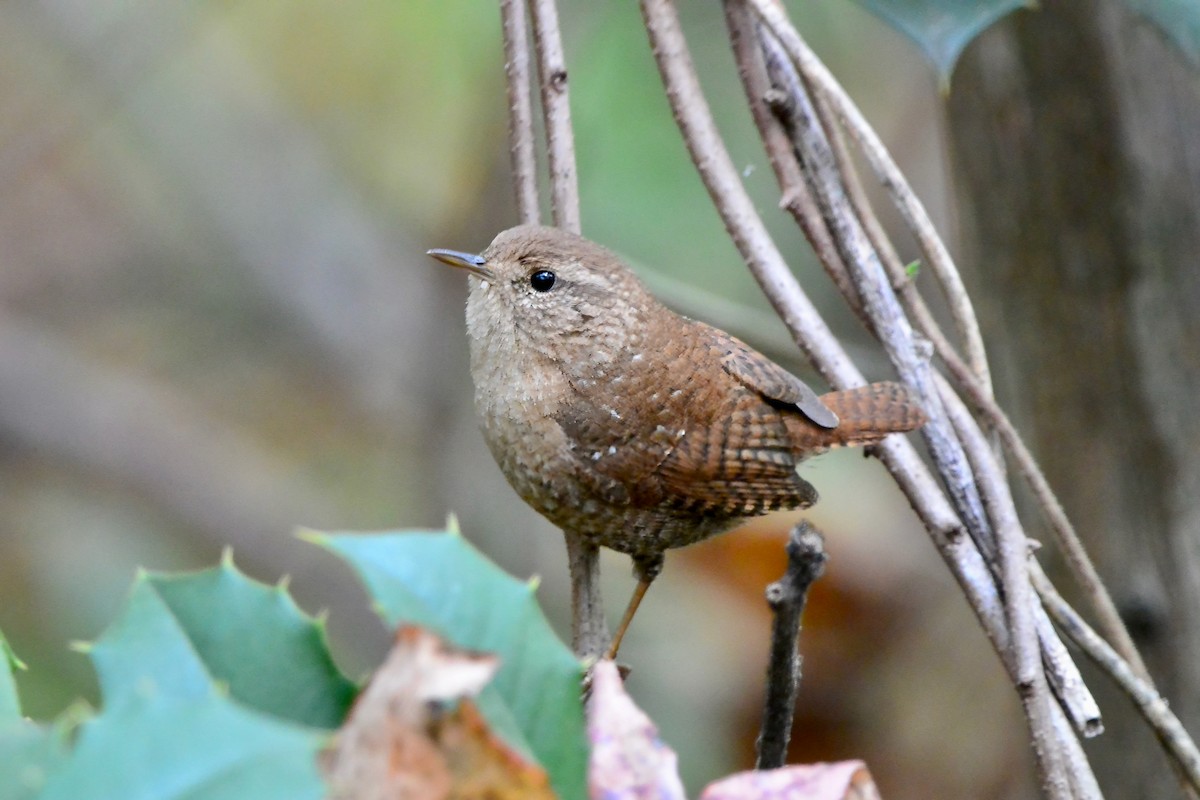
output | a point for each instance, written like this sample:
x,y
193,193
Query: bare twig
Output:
x,y
786,596
589,629
556,108
1078,561
941,265
967,381
797,200
788,299
1063,673
737,211
520,111
879,301
1029,677
1077,558
999,534
729,195
1152,706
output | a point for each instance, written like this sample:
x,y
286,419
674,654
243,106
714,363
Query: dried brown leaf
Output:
x,y
413,734
842,780
628,761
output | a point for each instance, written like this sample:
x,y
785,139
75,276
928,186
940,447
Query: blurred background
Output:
x,y
217,323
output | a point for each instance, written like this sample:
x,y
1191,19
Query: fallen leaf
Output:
x,y
629,761
841,780
413,733
481,764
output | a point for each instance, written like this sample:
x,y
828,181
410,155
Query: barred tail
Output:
x,y
866,414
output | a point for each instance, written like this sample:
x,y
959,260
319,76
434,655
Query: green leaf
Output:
x,y
10,704
147,647
942,28
439,581
29,754
168,729
912,269
255,639
1178,19
183,632
155,745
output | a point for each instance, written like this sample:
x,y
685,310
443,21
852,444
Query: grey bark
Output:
x,y
1075,133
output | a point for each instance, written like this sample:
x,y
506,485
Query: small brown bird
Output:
x,y
628,424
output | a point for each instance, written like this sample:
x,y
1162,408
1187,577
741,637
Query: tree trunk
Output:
x,y
1075,133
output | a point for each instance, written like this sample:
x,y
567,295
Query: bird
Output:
x,y
630,425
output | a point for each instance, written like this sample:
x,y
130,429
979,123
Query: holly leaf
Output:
x,y
158,745
10,704
29,754
174,672
437,580
942,28
1178,20
255,639
183,632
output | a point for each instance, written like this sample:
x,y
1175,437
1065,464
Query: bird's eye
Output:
x,y
542,280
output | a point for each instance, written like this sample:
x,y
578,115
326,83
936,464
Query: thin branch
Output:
x,y
841,213
1077,558
1152,706
1030,679
720,177
796,310
589,629
879,301
906,201
1065,535
737,211
786,596
1006,540
556,108
520,111
797,200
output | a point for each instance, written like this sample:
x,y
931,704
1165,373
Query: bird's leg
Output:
x,y
589,630
646,570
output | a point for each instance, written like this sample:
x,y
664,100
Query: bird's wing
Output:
x,y
770,380
690,433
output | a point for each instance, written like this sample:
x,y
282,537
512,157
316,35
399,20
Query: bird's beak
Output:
x,y
476,265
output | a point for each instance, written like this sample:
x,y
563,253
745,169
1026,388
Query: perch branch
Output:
x,y
1066,538
941,265
589,629
520,111
1063,673
786,596
556,109
796,311
1030,679
1150,704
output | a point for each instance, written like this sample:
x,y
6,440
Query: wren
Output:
x,y
632,426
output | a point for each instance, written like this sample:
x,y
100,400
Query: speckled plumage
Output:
x,y
638,428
